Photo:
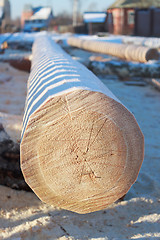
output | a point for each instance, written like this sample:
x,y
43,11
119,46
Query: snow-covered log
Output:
x,y
81,149
128,52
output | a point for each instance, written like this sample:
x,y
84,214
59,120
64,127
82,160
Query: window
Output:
x,y
131,15
110,18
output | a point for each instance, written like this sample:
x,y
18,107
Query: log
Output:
x,y
23,64
81,149
128,52
10,135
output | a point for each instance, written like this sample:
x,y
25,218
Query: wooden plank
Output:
x,y
81,149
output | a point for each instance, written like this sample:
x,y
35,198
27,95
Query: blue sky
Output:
x,y
60,5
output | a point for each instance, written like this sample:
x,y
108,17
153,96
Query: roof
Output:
x,y
43,13
135,4
36,9
94,17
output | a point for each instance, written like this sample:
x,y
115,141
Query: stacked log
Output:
x,y
81,149
127,52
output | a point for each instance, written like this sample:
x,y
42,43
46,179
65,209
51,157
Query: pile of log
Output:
x,y
81,149
127,52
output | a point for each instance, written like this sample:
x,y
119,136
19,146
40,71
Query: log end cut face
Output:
x,y
81,151
152,54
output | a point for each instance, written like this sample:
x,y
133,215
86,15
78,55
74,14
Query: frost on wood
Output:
x,y
81,149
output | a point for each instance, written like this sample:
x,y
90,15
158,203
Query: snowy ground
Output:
x,y
20,46
30,37
12,89
23,216
144,41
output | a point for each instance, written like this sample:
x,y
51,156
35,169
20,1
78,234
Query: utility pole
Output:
x,y
75,12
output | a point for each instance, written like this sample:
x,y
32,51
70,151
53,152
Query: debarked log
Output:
x,y
128,52
81,149
10,135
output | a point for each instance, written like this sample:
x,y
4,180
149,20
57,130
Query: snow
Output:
x,y
12,89
97,17
80,78
124,69
152,42
43,13
20,37
109,38
144,41
14,54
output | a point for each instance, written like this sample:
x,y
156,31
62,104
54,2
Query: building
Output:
x,y
26,14
36,19
95,22
5,15
134,17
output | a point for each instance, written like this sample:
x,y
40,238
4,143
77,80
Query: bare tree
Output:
x,y
63,18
